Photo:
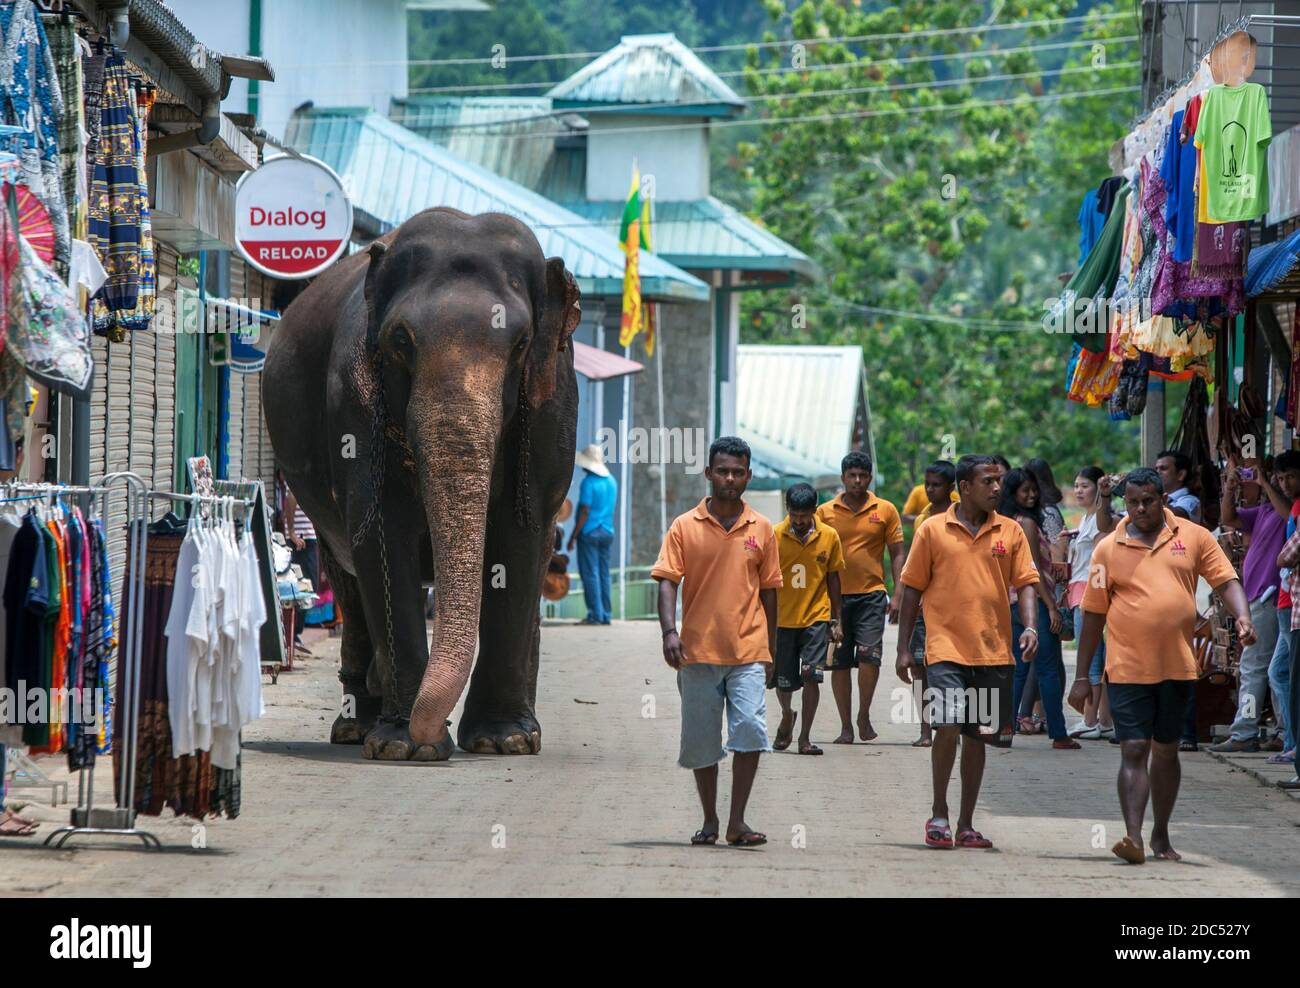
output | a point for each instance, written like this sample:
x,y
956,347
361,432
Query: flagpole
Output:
x,y
663,441
623,493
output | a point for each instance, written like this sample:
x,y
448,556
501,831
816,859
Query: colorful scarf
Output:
x,y
115,199
30,99
141,317
67,65
1221,250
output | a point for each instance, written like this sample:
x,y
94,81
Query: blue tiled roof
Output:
x,y
393,173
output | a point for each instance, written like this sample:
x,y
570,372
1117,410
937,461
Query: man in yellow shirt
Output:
x,y
917,506
866,525
808,611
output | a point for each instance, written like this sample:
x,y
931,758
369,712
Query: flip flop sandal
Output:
x,y
17,828
972,838
1025,725
704,838
812,750
750,838
921,743
1187,746
783,738
938,835
1281,758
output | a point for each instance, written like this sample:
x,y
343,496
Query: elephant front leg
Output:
x,y
399,671
499,715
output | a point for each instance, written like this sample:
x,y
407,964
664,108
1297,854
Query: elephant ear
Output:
x,y
559,317
376,254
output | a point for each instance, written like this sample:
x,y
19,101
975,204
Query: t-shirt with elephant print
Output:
x,y
1233,133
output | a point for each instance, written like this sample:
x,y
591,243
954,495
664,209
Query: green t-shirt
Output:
x,y
1233,134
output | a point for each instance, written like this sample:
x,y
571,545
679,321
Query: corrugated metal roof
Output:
x,y
796,405
393,173
706,233
649,68
510,136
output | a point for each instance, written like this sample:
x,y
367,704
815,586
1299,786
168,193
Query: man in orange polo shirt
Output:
x,y
1142,590
866,525
725,555
965,562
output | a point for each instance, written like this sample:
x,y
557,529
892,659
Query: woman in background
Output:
x,y
1092,493
1020,501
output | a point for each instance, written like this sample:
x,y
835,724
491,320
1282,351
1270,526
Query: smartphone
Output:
x,y
1247,473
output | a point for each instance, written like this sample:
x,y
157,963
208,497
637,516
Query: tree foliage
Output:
x,y
940,200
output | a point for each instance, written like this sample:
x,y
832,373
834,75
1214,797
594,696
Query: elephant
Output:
x,y
421,400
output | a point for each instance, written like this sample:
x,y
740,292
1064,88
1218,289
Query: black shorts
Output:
x,y
1147,711
975,698
800,654
862,617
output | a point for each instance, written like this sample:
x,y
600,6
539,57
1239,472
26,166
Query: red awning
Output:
x,y
601,365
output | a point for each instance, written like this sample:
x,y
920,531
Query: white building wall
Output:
x,y
332,52
678,159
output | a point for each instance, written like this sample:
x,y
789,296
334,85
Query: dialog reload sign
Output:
x,y
293,218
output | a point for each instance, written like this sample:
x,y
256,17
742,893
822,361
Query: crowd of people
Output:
x,y
994,582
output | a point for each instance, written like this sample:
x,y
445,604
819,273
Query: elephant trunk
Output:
x,y
455,455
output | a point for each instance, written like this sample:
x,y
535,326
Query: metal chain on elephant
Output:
x,y
375,513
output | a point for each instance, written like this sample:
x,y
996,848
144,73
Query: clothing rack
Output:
x,y
27,774
120,819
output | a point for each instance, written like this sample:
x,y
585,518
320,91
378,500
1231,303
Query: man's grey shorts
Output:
x,y
705,691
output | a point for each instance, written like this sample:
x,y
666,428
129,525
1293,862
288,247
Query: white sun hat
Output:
x,y
592,459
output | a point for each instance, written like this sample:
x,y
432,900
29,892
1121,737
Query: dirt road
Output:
x,y
605,811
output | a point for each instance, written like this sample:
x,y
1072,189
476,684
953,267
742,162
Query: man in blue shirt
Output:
x,y
593,532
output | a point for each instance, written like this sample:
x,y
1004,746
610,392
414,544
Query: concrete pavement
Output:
x,y
605,811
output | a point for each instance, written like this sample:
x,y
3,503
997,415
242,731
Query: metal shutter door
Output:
x,y
235,426
252,430
164,447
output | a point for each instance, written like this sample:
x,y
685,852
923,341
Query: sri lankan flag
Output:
x,y
632,237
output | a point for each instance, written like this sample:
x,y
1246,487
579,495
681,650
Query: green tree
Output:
x,y
923,185
518,27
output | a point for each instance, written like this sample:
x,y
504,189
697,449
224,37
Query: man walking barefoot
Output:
x,y
965,563
724,554
866,525
808,611
1142,590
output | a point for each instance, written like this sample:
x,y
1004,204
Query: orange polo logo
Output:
x,y
999,548
821,557
1177,548
751,544
874,517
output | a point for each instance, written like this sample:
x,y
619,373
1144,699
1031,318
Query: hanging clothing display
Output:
x,y
115,199
184,784
200,671
66,55
1233,134
214,673
31,102
141,315
1091,222
57,600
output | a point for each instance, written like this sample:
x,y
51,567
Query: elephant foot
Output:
x,y
517,736
390,740
353,730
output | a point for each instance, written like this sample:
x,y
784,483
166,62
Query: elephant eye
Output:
x,y
522,345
